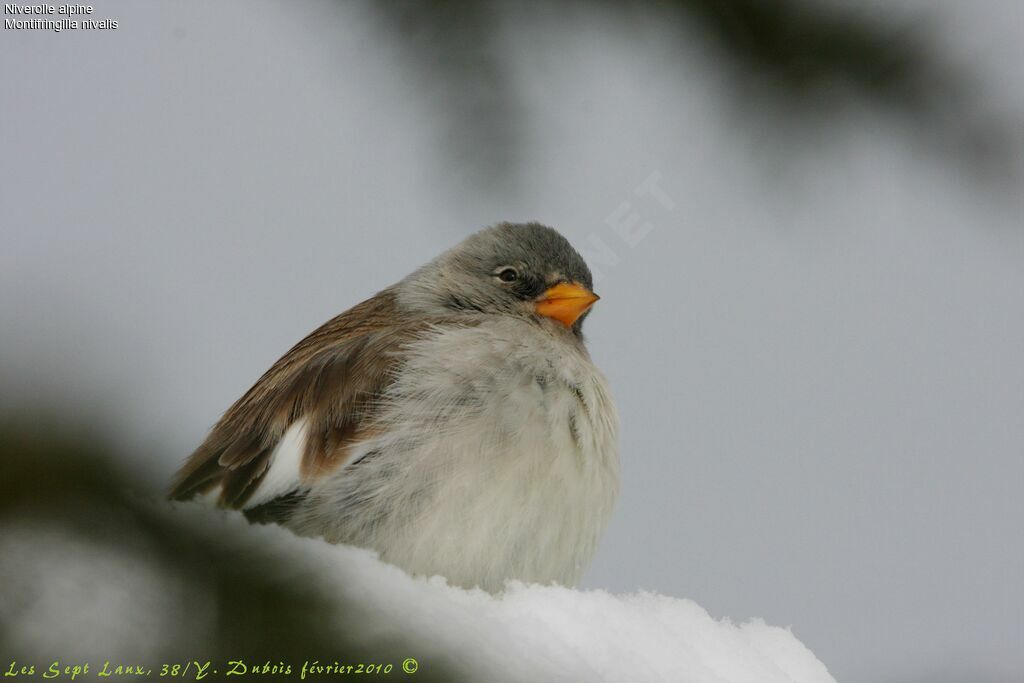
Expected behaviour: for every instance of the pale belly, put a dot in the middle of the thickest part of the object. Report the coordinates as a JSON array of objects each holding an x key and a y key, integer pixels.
[{"x": 486, "y": 476}]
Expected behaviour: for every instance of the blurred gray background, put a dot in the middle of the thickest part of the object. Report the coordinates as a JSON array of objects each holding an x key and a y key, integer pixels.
[{"x": 813, "y": 323}]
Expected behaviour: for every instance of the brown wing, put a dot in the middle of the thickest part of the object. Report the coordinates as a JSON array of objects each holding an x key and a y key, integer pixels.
[{"x": 333, "y": 378}]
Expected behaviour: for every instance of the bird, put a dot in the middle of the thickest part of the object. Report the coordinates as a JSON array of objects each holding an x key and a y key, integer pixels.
[{"x": 454, "y": 423}]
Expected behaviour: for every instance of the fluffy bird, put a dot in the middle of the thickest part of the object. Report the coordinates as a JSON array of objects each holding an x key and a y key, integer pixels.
[{"x": 454, "y": 423}]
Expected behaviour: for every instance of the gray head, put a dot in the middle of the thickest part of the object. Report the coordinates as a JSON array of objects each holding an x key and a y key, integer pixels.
[{"x": 527, "y": 270}]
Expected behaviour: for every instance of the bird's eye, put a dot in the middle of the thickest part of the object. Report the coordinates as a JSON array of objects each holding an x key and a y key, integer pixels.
[{"x": 508, "y": 275}]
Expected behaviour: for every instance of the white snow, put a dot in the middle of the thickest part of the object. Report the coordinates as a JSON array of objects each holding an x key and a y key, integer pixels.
[{"x": 527, "y": 633}]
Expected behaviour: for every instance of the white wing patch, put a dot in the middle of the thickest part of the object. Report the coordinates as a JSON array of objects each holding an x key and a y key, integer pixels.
[{"x": 283, "y": 476}]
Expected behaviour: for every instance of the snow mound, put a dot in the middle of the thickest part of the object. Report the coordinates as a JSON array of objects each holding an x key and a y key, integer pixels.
[{"x": 66, "y": 598}]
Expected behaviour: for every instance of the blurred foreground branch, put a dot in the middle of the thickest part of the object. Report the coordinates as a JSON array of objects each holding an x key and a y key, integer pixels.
[
  {"x": 60, "y": 487},
  {"x": 795, "y": 56}
]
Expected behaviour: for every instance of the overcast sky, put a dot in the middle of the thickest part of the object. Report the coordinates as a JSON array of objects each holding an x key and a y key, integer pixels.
[{"x": 816, "y": 346}]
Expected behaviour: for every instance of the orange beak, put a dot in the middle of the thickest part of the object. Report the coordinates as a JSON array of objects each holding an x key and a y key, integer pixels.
[{"x": 565, "y": 302}]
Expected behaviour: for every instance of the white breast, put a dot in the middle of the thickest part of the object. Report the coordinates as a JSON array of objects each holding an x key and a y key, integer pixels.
[{"x": 497, "y": 460}]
